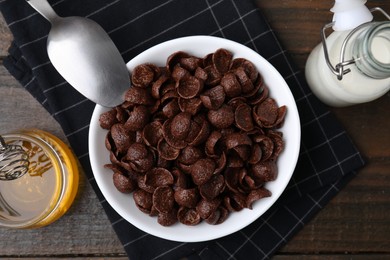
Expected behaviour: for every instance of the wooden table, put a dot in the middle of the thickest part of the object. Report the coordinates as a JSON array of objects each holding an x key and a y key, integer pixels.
[{"x": 355, "y": 224}]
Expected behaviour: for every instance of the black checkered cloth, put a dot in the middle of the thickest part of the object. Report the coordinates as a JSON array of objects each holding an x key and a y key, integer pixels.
[{"x": 328, "y": 159}]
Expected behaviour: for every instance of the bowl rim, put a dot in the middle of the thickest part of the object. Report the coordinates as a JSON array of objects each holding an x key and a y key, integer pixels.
[{"x": 201, "y": 232}]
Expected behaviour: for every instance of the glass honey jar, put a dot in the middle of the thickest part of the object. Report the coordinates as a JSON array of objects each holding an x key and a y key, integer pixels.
[{"x": 48, "y": 188}]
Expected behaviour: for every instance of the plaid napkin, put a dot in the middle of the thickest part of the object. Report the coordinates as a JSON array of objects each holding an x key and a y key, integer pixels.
[{"x": 328, "y": 159}]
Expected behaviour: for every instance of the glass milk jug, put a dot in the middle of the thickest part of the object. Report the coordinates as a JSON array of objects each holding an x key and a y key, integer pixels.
[{"x": 352, "y": 64}]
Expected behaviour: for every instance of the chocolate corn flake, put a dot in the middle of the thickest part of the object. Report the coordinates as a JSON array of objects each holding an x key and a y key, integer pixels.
[
  {"x": 163, "y": 199},
  {"x": 213, "y": 98},
  {"x": 107, "y": 119},
  {"x": 231, "y": 85},
  {"x": 166, "y": 151},
  {"x": 190, "y": 154},
  {"x": 157, "y": 177},
  {"x": 187, "y": 197},
  {"x": 180, "y": 125},
  {"x": 211, "y": 143},
  {"x": 138, "y": 96},
  {"x": 213, "y": 187},
  {"x": 192, "y": 105},
  {"x": 206, "y": 207},
  {"x": 189, "y": 87},
  {"x": 248, "y": 67},
  {"x": 255, "y": 195},
  {"x": 179, "y": 74},
  {"x": 245, "y": 83},
  {"x": 152, "y": 133},
  {"x": 202, "y": 170},
  {"x": 243, "y": 117},
  {"x": 123, "y": 183},
  {"x": 167, "y": 218},
  {"x": 138, "y": 118},
  {"x": 223, "y": 117},
  {"x": 143, "y": 200},
  {"x": 171, "y": 108},
  {"x": 121, "y": 139},
  {"x": 221, "y": 60},
  {"x": 174, "y": 59},
  {"x": 143, "y": 75},
  {"x": 188, "y": 216},
  {"x": 191, "y": 63},
  {"x": 263, "y": 172},
  {"x": 195, "y": 139}
]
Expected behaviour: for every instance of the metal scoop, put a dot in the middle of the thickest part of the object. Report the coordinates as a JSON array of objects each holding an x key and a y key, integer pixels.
[{"x": 85, "y": 56}]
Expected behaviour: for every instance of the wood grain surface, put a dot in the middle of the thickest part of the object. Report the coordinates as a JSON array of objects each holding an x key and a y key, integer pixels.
[{"x": 354, "y": 225}]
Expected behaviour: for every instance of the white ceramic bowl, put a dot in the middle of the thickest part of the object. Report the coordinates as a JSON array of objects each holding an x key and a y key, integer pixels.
[{"x": 124, "y": 204}]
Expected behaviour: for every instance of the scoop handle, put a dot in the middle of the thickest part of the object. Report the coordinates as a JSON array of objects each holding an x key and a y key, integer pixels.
[{"x": 43, "y": 7}]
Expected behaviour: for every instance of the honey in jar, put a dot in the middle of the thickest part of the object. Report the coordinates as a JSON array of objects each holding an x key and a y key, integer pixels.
[{"x": 47, "y": 190}]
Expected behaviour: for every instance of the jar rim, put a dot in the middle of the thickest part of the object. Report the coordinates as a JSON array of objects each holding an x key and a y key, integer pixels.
[
  {"x": 371, "y": 35},
  {"x": 363, "y": 51}
]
